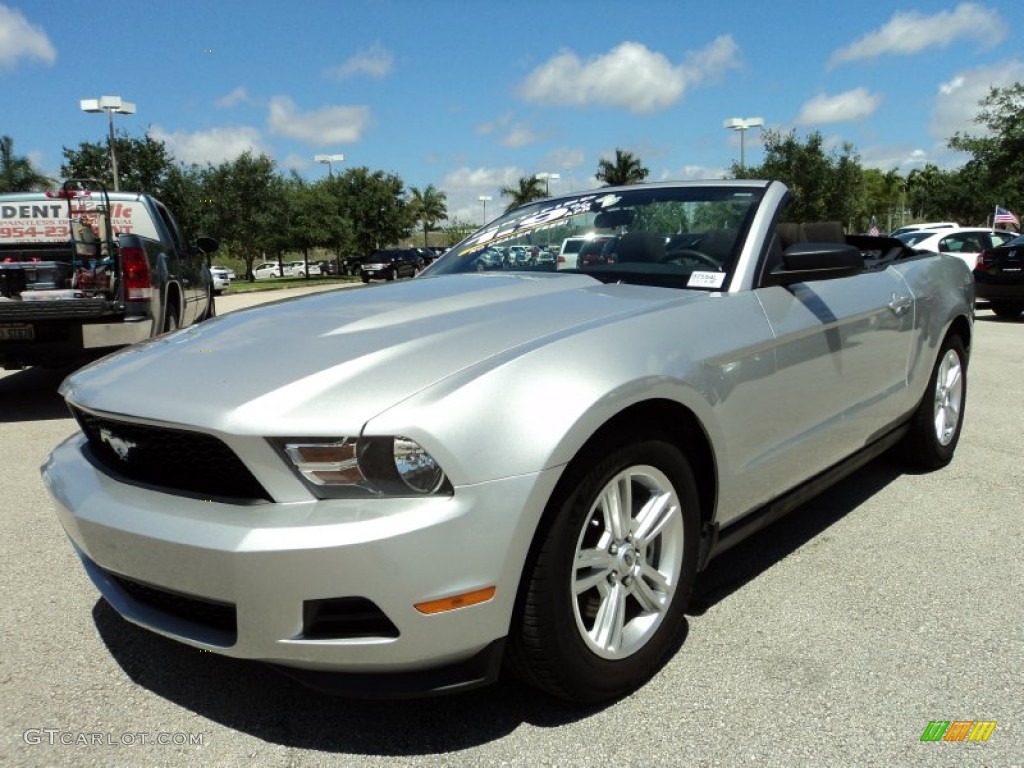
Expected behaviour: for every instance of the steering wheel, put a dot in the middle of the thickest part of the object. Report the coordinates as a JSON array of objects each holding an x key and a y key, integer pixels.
[{"x": 686, "y": 253}]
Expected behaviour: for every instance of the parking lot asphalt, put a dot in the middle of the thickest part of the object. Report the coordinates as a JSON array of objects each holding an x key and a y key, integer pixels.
[{"x": 832, "y": 638}]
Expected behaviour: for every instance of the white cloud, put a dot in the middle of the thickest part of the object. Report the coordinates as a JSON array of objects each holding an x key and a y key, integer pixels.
[
  {"x": 693, "y": 172},
  {"x": 214, "y": 146},
  {"x": 565, "y": 158},
  {"x": 630, "y": 76},
  {"x": 845, "y": 107},
  {"x": 297, "y": 162},
  {"x": 482, "y": 180},
  {"x": 237, "y": 96},
  {"x": 956, "y": 103},
  {"x": 320, "y": 128},
  {"x": 20, "y": 39},
  {"x": 512, "y": 133},
  {"x": 902, "y": 157},
  {"x": 375, "y": 61},
  {"x": 911, "y": 32}
]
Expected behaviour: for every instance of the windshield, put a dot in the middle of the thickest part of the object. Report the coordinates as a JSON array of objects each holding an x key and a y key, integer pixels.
[
  {"x": 679, "y": 236},
  {"x": 913, "y": 238}
]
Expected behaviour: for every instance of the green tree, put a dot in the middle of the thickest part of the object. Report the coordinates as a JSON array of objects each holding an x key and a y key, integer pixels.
[
  {"x": 625, "y": 169},
  {"x": 312, "y": 219},
  {"x": 143, "y": 165},
  {"x": 882, "y": 198},
  {"x": 245, "y": 206},
  {"x": 457, "y": 230},
  {"x": 185, "y": 196},
  {"x": 429, "y": 206},
  {"x": 527, "y": 189},
  {"x": 998, "y": 155},
  {"x": 825, "y": 186},
  {"x": 17, "y": 173},
  {"x": 375, "y": 204}
]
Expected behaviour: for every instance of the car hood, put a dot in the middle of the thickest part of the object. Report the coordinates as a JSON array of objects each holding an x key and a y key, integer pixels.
[{"x": 344, "y": 356}]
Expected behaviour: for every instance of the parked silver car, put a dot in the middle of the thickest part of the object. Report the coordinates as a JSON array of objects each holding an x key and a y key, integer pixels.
[{"x": 406, "y": 488}]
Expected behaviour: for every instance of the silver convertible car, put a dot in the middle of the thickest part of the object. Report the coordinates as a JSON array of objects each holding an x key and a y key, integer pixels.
[{"x": 500, "y": 465}]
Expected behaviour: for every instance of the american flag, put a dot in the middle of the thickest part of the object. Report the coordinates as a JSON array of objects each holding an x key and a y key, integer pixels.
[
  {"x": 874, "y": 228},
  {"x": 1004, "y": 216}
]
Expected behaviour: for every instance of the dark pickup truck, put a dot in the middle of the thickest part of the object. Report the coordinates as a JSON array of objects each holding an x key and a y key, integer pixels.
[{"x": 84, "y": 271}]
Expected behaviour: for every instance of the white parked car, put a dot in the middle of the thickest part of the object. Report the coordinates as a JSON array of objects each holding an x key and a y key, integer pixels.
[
  {"x": 298, "y": 268},
  {"x": 221, "y": 279},
  {"x": 966, "y": 243},
  {"x": 924, "y": 226},
  {"x": 268, "y": 270},
  {"x": 569, "y": 253}
]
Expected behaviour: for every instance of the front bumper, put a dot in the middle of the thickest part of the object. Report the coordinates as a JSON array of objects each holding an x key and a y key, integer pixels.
[{"x": 264, "y": 564}]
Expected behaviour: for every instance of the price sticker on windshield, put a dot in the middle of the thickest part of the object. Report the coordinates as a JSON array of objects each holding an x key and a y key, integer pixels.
[{"x": 701, "y": 279}]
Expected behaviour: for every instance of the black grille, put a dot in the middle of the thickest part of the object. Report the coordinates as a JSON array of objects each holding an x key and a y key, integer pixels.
[
  {"x": 212, "y": 614},
  {"x": 175, "y": 460}
]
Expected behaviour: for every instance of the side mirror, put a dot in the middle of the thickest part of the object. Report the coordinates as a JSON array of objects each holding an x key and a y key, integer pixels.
[
  {"x": 207, "y": 244},
  {"x": 804, "y": 262}
]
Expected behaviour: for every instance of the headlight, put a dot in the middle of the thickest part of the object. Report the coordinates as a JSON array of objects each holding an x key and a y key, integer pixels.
[{"x": 379, "y": 466}]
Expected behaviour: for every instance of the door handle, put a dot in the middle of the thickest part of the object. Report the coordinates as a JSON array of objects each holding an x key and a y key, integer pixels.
[{"x": 900, "y": 304}]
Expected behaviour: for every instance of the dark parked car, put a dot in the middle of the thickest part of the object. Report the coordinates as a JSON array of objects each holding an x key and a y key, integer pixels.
[
  {"x": 391, "y": 263},
  {"x": 999, "y": 278},
  {"x": 352, "y": 265}
]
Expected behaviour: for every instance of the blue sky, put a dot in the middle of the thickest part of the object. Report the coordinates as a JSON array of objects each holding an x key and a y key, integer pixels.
[{"x": 469, "y": 96}]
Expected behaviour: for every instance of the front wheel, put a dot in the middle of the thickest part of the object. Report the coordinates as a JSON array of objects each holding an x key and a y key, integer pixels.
[
  {"x": 611, "y": 577},
  {"x": 935, "y": 425}
]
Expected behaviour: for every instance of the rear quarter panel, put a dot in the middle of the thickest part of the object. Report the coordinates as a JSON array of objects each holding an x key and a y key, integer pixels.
[{"x": 943, "y": 289}]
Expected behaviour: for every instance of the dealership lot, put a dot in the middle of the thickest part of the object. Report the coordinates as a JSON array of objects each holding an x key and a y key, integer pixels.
[{"x": 891, "y": 601}]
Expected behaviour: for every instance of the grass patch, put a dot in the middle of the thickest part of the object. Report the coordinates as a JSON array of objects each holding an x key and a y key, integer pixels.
[{"x": 244, "y": 286}]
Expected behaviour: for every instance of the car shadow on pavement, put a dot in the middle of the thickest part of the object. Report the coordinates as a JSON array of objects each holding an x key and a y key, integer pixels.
[
  {"x": 31, "y": 395},
  {"x": 252, "y": 698},
  {"x": 731, "y": 570}
]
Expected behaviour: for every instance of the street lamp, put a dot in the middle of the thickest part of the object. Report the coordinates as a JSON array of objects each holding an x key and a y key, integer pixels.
[
  {"x": 740, "y": 124},
  {"x": 330, "y": 160},
  {"x": 110, "y": 105},
  {"x": 548, "y": 178},
  {"x": 485, "y": 199}
]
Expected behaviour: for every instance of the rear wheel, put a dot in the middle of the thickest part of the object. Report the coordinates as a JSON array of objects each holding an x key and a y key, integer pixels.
[
  {"x": 935, "y": 426},
  {"x": 611, "y": 577},
  {"x": 1007, "y": 310}
]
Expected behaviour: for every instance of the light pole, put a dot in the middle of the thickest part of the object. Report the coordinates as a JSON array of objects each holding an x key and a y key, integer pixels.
[
  {"x": 330, "y": 160},
  {"x": 548, "y": 178},
  {"x": 485, "y": 199},
  {"x": 742, "y": 124},
  {"x": 110, "y": 105}
]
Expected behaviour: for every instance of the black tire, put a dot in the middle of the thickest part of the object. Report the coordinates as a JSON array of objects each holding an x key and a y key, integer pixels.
[
  {"x": 556, "y": 642},
  {"x": 171, "y": 320},
  {"x": 1006, "y": 310},
  {"x": 366, "y": 279},
  {"x": 389, "y": 275},
  {"x": 930, "y": 444}
]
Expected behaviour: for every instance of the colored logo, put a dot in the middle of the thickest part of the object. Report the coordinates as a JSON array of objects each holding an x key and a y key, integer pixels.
[{"x": 958, "y": 730}]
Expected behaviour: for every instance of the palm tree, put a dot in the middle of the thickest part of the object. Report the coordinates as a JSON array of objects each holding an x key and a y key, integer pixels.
[
  {"x": 429, "y": 206},
  {"x": 528, "y": 189},
  {"x": 626, "y": 169},
  {"x": 17, "y": 173}
]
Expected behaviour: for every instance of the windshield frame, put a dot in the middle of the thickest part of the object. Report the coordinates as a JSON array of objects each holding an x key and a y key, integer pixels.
[{"x": 550, "y": 222}]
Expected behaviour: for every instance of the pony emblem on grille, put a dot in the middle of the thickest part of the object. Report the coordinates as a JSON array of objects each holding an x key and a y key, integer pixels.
[{"x": 120, "y": 446}]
